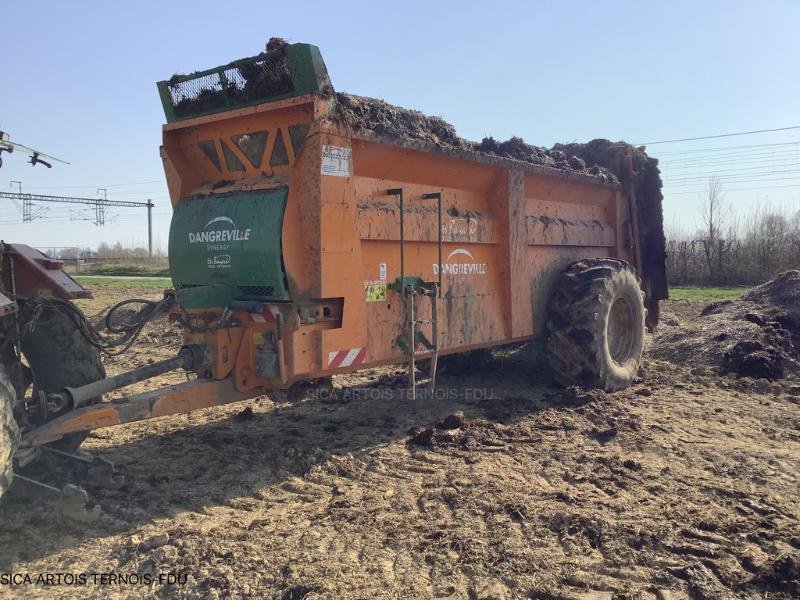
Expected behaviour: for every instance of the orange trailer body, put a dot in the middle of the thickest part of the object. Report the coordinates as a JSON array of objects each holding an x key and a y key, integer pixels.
[{"x": 508, "y": 229}]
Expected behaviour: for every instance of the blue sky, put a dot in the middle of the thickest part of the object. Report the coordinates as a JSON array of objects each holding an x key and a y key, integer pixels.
[{"x": 78, "y": 82}]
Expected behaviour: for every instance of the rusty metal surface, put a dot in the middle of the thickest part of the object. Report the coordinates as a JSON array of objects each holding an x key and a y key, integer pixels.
[
  {"x": 174, "y": 399},
  {"x": 85, "y": 393},
  {"x": 36, "y": 274}
]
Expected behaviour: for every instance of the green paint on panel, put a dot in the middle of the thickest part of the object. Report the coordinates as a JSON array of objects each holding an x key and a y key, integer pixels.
[{"x": 228, "y": 247}]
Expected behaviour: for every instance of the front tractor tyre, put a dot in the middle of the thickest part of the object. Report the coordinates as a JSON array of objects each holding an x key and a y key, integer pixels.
[
  {"x": 596, "y": 326},
  {"x": 59, "y": 356},
  {"x": 9, "y": 433}
]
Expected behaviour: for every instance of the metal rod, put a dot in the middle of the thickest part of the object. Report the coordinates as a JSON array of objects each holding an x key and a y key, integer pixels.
[
  {"x": 438, "y": 197},
  {"x": 412, "y": 343},
  {"x": 149, "y": 227},
  {"x": 83, "y": 394},
  {"x": 402, "y": 240},
  {"x": 31, "y": 488},
  {"x": 439, "y": 202},
  {"x": 169, "y": 400},
  {"x": 18, "y": 337},
  {"x": 399, "y": 192},
  {"x": 435, "y": 336},
  {"x": 281, "y": 350}
]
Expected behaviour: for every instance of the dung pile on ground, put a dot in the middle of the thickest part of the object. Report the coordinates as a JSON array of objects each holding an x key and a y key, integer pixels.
[
  {"x": 778, "y": 301},
  {"x": 454, "y": 432},
  {"x": 756, "y": 335},
  {"x": 780, "y": 575},
  {"x": 752, "y": 358}
]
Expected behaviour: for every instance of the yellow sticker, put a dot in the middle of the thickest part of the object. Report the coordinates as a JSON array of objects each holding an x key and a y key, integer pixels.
[{"x": 375, "y": 292}]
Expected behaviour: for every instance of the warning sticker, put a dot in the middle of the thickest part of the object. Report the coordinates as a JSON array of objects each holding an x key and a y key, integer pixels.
[
  {"x": 336, "y": 161},
  {"x": 374, "y": 292}
]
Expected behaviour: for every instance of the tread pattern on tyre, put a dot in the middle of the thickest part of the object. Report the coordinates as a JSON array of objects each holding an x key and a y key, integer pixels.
[
  {"x": 577, "y": 347},
  {"x": 9, "y": 433},
  {"x": 61, "y": 357}
]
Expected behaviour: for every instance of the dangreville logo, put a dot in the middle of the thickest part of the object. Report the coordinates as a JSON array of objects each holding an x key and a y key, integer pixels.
[
  {"x": 218, "y": 234},
  {"x": 460, "y": 268}
]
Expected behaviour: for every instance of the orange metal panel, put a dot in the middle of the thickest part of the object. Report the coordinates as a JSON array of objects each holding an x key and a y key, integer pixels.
[
  {"x": 508, "y": 229},
  {"x": 174, "y": 399}
]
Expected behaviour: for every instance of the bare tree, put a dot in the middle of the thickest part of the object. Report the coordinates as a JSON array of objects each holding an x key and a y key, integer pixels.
[
  {"x": 734, "y": 249},
  {"x": 794, "y": 237},
  {"x": 772, "y": 241},
  {"x": 716, "y": 215}
]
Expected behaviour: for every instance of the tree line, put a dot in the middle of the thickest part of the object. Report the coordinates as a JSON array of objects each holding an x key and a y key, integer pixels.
[
  {"x": 731, "y": 249},
  {"x": 115, "y": 251}
]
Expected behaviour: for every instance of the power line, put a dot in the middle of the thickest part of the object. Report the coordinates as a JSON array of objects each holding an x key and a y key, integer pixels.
[
  {"x": 147, "y": 193},
  {"x": 72, "y": 200},
  {"x": 743, "y": 171},
  {"x": 712, "y": 159},
  {"x": 734, "y": 180},
  {"x": 77, "y": 187},
  {"x": 731, "y": 172},
  {"x": 678, "y": 171},
  {"x": 772, "y": 187},
  {"x": 721, "y": 135},
  {"x": 99, "y": 205},
  {"x": 702, "y": 187},
  {"x": 724, "y": 148}
]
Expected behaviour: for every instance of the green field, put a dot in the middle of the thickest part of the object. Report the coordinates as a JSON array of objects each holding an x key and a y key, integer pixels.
[
  {"x": 127, "y": 270},
  {"x": 705, "y": 294},
  {"x": 149, "y": 282},
  {"x": 701, "y": 294}
]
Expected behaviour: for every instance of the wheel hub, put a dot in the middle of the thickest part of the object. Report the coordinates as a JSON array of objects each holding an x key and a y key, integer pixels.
[{"x": 620, "y": 330}]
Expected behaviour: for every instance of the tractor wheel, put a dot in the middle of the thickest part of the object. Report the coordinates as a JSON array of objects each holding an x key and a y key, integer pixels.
[
  {"x": 596, "y": 326},
  {"x": 9, "y": 433},
  {"x": 59, "y": 356}
]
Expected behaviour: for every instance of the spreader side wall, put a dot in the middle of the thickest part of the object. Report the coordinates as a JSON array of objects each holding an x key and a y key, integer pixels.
[
  {"x": 506, "y": 235},
  {"x": 507, "y": 232},
  {"x": 567, "y": 221}
]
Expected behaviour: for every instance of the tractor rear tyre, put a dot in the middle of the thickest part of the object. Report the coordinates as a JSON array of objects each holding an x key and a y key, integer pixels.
[
  {"x": 60, "y": 356},
  {"x": 596, "y": 326},
  {"x": 9, "y": 433}
]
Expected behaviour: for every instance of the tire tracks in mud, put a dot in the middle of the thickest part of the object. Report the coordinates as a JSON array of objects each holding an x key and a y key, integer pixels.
[{"x": 684, "y": 482}]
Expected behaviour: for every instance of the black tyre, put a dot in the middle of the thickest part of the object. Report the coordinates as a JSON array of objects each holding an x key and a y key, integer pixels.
[
  {"x": 596, "y": 326},
  {"x": 9, "y": 433},
  {"x": 59, "y": 356}
]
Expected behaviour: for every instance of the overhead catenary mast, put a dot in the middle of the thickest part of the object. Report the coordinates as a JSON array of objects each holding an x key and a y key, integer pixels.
[{"x": 99, "y": 205}]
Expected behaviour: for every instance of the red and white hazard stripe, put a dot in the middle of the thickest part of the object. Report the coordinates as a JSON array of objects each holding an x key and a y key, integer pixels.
[
  {"x": 346, "y": 358},
  {"x": 265, "y": 317}
]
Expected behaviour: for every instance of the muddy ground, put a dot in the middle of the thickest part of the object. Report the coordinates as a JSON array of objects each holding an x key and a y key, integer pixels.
[{"x": 688, "y": 483}]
